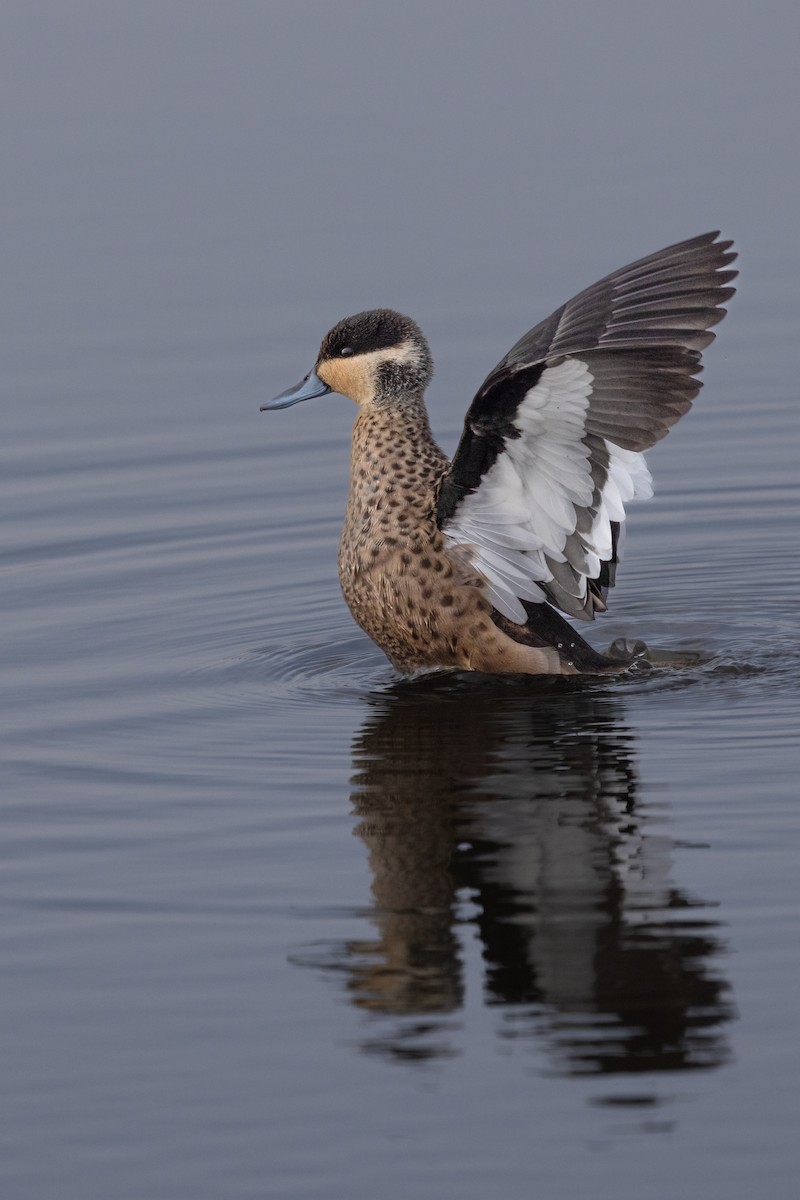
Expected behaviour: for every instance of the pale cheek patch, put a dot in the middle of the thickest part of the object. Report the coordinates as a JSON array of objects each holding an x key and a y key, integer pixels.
[
  {"x": 349, "y": 377},
  {"x": 406, "y": 352},
  {"x": 357, "y": 377}
]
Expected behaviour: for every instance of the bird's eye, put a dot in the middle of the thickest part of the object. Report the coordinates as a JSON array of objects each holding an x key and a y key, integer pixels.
[{"x": 346, "y": 351}]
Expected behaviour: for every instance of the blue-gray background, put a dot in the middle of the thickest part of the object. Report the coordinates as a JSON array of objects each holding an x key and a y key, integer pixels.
[{"x": 559, "y": 953}]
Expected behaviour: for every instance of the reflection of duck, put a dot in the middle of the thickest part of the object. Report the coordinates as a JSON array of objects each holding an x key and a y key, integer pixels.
[
  {"x": 465, "y": 563},
  {"x": 523, "y": 802}
]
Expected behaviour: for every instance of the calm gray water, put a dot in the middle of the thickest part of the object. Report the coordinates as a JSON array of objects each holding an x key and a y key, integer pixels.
[{"x": 276, "y": 922}]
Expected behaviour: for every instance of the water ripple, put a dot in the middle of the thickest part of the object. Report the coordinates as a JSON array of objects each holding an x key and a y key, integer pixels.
[{"x": 330, "y": 670}]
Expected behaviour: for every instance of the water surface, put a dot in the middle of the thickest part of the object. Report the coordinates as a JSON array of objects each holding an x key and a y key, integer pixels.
[{"x": 277, "y": 922}]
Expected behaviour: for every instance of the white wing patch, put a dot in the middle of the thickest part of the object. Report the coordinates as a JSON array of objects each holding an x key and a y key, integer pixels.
[{"x": 527, "y": 504}]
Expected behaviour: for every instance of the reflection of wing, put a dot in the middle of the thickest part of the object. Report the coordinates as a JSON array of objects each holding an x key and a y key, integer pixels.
[
  {"x": 551, "y": 448},
  {"x": 485, "y": 811}
]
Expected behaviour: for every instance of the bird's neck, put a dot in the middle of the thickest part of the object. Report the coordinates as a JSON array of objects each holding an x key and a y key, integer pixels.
[
  {"x": 395, "y": 465},
  {"x": 383, "y": 433}
]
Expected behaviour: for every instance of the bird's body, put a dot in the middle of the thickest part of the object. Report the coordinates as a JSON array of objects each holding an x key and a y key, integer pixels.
[
  {"x": 417, "y": 597},
  {"x": 464, "y": 564}
]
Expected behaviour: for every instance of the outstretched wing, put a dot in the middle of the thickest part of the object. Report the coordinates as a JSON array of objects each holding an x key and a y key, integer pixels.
[{"x": 552, "y": 444}]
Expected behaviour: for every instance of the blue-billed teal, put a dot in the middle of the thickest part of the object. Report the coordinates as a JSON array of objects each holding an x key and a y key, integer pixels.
[{"x": 464, "y": 563}]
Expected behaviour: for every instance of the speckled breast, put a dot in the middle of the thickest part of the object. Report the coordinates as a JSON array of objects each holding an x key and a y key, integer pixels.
[{"x": 400, "y": 583}]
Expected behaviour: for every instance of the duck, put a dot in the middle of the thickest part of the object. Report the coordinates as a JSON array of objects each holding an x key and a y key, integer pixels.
[{"x": 480, "y": 562}]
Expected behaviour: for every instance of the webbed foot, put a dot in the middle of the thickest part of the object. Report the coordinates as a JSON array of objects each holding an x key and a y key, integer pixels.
[{"x": 637, "y": 653}]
